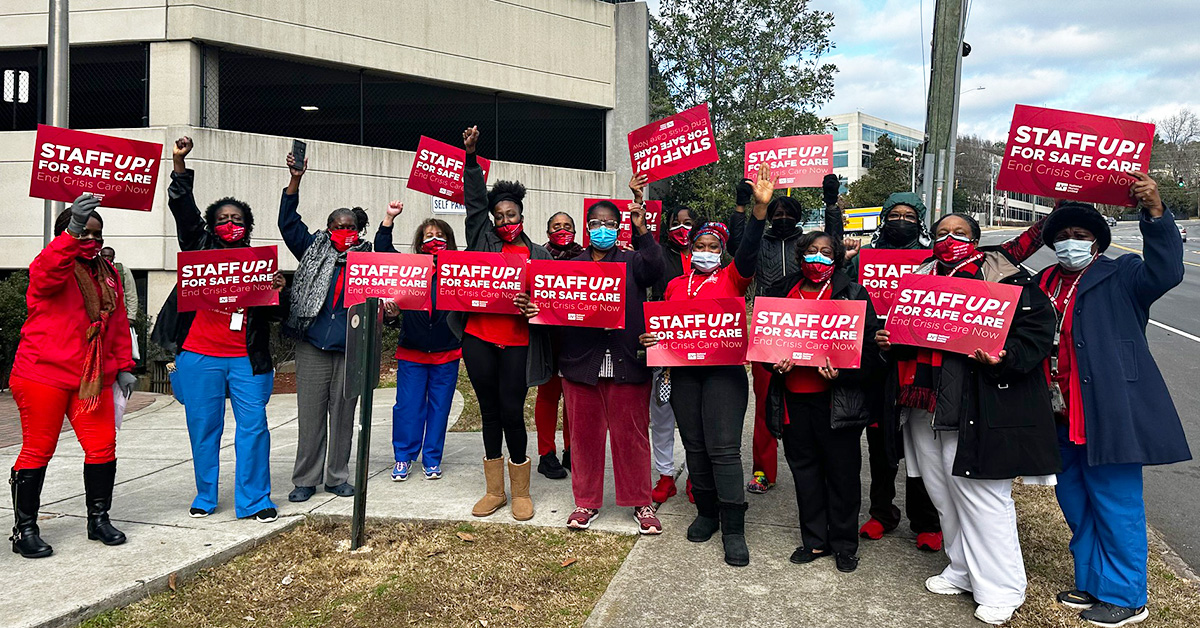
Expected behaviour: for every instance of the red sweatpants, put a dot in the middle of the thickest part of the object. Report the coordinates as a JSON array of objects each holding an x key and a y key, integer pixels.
[
  {"x": 766, "y": 448},
  {"x": 545, "y": 416},
  {"x": 42, "y": 410},
  {"x": 622, "y": 413}
]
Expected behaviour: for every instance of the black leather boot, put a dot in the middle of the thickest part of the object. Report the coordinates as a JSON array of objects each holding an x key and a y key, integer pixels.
[
  {"x": 706, "y": 523},
  {"x": 98, "y": 486},
  {"x": 27, "y": 498},
  {"x": 733, "y": 534}
]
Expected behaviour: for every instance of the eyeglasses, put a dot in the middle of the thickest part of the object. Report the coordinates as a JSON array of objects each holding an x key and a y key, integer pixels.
[{"x": 597, "y": 223}]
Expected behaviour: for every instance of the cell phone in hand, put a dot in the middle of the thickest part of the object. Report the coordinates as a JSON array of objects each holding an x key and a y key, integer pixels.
[{"x": 298, "y": 149}]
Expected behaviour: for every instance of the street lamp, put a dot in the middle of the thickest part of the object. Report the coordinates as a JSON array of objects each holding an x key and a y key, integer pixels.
[{"x": 973, "y": 89}]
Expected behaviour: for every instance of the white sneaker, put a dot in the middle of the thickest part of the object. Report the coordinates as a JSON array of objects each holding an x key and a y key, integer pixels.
[
  {"x": 940, "y": 585},
  {"x": 995, "y": 615}
]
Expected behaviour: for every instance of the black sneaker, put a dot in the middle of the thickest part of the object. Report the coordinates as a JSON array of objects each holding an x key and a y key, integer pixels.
[
  {"x": 1113, "y": 616},
  {"x": 566, "y": 463},
  {"x": 198, "y": 513},
  {"x": 846, "y": 563},
  {"x": 1081, "y": 600},
  {"x": 804, "y": 555},
  {"x": 266, "y": 515},
  {"x": 551, "y": 468}
]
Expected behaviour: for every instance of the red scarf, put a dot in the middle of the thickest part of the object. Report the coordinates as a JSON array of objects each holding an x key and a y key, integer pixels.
[
  {"x": 919, "y": 376},
  {"x": 1068, "y": 367}
]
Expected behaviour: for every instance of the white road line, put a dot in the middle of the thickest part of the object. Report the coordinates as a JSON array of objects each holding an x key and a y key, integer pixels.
[{"x": 1175, "y": 331}]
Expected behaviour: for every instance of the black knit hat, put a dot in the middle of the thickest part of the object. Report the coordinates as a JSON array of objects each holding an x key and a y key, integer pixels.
[{"x": 1074, "y": 214}]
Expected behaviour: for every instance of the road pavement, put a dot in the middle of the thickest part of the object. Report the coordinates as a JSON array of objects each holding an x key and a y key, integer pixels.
[{"x": 1173, "y": 491}]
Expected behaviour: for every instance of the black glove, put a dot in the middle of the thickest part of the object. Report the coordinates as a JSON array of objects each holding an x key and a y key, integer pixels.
[
  {"x": 744, "y": 192},
  {"x": 81, "y": 210},
  {"x": 829, "y": 189},
  {"x": 126, "y": 381}
]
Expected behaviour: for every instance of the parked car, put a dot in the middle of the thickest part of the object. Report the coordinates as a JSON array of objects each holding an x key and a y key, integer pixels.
[
  {"x": 1183, "y": 233},
  {"x": 1112, "y": 222}
]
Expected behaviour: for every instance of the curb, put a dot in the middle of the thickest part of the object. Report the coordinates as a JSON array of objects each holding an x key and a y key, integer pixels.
[
  {"x": 156, "y": 584},
  {"x": 1173, "y": 560}
]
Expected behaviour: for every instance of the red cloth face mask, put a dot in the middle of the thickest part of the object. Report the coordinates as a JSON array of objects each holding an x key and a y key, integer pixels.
[
  {"x": 343, "y": 238},
  {"x": 679, "y": 234},
  {"x": 510, "y": 233},
  {"x": 433, "y": 245},
  {"x": 562, "y": 237},
  {"x": 230, "y": 232},
  {"x": 89, "y": 249},
  {"x": 816, "y": 272},
  {"x": 952, "y": 248}
]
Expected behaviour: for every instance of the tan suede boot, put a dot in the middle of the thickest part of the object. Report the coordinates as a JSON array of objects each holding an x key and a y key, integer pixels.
[
  {"x": 493, "y": 471},
  {"x": 518, "y": 477}
]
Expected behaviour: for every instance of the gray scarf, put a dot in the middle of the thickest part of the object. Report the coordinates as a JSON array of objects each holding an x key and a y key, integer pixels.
[{"x": 311, "y": 281}]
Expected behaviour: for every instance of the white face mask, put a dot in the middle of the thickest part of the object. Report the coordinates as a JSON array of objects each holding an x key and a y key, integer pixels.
[
  {"x": 706, "y": 261},
  {"x": 1074, "y": 254}
]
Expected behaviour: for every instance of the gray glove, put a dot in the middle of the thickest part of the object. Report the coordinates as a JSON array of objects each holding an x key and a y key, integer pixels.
[
  {"x": 126, "y": 381},
  {"x": 81, "y": 210}
]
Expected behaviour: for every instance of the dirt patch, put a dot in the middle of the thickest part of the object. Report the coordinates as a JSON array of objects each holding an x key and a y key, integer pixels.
[
  {"x": 1174, "y": 602},
  {"x": 415, "y": 574}
]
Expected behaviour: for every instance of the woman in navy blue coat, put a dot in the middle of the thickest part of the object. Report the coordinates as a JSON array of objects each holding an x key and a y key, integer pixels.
[{"x": 1113, "y": 408}]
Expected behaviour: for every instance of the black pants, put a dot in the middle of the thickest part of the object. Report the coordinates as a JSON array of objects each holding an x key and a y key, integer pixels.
[
  {"x": 922, "y": 516},
  {"x": 825, "y": 466},
  {"x": 498, "y": 377},
  {"x": 710, "y": 406}
]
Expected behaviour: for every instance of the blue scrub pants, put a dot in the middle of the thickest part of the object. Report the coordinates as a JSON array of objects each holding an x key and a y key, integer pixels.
[
  {"x": 1104, "y": 507},
  {"x": 424, "y": 393},
  {"x": 207, "y": 380}
]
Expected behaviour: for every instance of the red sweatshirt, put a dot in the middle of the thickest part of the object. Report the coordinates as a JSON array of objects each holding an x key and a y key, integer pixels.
[{"x": 52, "y": 340}]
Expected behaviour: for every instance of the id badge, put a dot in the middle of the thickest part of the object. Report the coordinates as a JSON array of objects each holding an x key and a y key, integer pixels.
[
  {"x": 1057, "y": 403},
  {"x": 235, "y": 320}
]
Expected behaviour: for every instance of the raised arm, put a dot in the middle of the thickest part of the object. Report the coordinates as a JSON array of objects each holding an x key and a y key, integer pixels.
[
  {"x": 743, "y": 195},
  {"x": 474, "y": 194},
  {"x": 383, "y": 237},
  {"x": 745, "y": 261},
  {"x": 54, "y": 267},
  {"x": 1027, "y": 243},
  {"x": 834, "y": 224},
  {"x": 1161, "y": 266},
  {"x": 189, "y": 224},
  {"x": 291, "y": 226},
  {"x": 648, "y": 264}
]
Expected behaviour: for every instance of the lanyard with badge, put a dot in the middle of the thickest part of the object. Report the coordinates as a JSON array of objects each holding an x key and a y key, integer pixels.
[
  {"x": 236, "y": 318},
  {"x": 1057, "y": 402}
]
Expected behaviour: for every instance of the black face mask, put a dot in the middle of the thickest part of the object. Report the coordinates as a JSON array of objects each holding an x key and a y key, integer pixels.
[
  {"x": 783, "y": 227},
  {"x": 900, "y": 231}
]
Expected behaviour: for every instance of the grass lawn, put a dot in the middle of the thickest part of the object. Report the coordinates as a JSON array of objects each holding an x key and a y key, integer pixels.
[
  {"x": 1174, "y": 602},
  {"x": 415, "y": 574}
]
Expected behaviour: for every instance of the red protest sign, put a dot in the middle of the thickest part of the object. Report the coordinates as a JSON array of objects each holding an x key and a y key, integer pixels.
[
  {"x": 122, "y": 173},
  {"x": 401, "y": 277},
  {"x": 1062, "y": 154},
  {"x": 578, "y": 294},
  {"x": 952, "y": 313},
  {"x": 799, "y": 161},
  {"x": 673, "y": 145},
  {"x": 470, "y": 281},
  {"x": 880, "y": 270},
  {"x": 697, "y": 331},
  {"x": 222, "y": 279},
  {"x": 807, "y": 331},
  {"x": 438, "y": 167},
  {"x": 625, "y": 231}
]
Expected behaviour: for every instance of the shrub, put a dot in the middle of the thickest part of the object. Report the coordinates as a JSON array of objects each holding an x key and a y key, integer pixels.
[{"x": 12, "y": 317}]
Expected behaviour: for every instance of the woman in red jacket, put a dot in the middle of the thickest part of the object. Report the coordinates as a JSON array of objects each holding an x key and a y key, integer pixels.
[{"x": 74, "y": 345}]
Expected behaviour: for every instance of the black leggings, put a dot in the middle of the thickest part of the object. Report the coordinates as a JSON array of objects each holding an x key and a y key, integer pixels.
[
  {"x": 710, "y": 407},
  {"x": 498, "y": 377}
]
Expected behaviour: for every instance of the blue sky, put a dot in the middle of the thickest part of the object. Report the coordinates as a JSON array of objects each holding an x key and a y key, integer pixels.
[{"x": 1111, "y": 57}]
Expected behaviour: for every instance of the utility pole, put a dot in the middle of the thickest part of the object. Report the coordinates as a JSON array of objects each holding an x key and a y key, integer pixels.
[
  {"x": 941, "y": 119},
  {"x": 58, "y": 64},
  {"x": 992, "y": 197}
]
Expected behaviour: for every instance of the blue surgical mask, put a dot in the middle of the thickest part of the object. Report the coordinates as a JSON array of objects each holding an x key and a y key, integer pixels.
[
  {"x": 818, "y": 258},
  {"x": 1074, "y": 255},
  {"x": 602, "y": 238}
]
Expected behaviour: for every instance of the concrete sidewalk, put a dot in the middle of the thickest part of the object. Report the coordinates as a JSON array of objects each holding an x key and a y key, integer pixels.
[{"x": 666, "y": 580}]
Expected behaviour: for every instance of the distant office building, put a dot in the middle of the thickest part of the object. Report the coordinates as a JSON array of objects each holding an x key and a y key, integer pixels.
[{"x": 854, "y": 139}]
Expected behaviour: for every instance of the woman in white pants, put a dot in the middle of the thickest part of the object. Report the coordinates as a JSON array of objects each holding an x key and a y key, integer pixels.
[{"x": 973, "y": 423}]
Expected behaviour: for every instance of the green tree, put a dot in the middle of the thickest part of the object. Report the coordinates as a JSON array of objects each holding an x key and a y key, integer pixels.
[
  {"x": 889, "y": 173},
  {"x": 757, "y": 65}
]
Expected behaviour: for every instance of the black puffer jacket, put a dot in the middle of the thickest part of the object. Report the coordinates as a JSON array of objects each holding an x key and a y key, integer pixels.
[
  {"x": 848, "y": 400},
  {"x": 778, "y": 257}
]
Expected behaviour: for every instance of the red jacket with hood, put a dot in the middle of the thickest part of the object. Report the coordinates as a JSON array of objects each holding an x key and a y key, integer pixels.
[{"x": 52, "y": 344}]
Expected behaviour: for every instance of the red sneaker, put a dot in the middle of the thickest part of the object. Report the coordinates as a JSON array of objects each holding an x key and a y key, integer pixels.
[
  {"x": 581, "y": 518},
  {"x": 647, "y": 519},
  {"x": 688, "y": 490},
  {"x": 929, "y": 541},
  {"x": 872, "y": 529},
  {"x": 663, "y": 490}
]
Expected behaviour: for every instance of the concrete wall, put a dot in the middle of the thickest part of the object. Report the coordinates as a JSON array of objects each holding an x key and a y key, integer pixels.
[
  {"x": 631, "y": 107},
  {"x": 251, "y": 167},
  {"x": 559, "y": 50}
]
